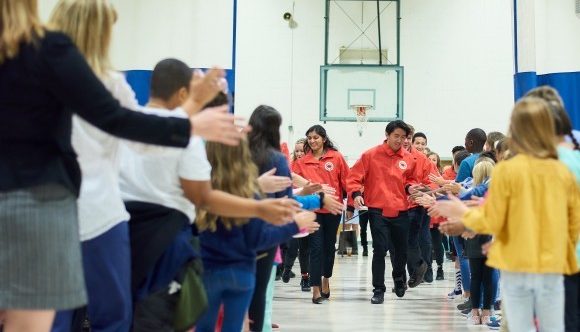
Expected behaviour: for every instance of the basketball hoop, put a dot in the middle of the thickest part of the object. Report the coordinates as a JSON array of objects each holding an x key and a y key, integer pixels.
[{"x": 361, "y": 113}]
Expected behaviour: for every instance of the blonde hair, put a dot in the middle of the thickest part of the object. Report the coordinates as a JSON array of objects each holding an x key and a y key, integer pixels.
[
  {"x": 19, "y": 23},
  {"x": 89, "y": 23},
  {"x": 234, "y": 172},
  {"x": 482, "y": 170},
  {"x": 302, "y": 141},
  {"x": 532, "y": 129}
]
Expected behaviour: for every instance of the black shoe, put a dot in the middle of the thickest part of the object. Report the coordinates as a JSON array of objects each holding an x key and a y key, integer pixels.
[
  {"x": 286, "y": 276},
  {"x": 318, "y": 300},
  {"x": 378, "y": 297},
  {"x": 278, "y": 277},
  {"x": 429, "y": 275},
  {"x": 440, "y": 274},
  {"x": 365, "y": 251},
  {"x": 400, "y": 287},
  {"x": 292, "y": 275},
  {"x": 464, "y": 305},
  {"x": 305, "y": 284},
  {"x": 417, "y": 277},
  {"x": 325, "y": 295},
  {"x": 466, "y": 312}
]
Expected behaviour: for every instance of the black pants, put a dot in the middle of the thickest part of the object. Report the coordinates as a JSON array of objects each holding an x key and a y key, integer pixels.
[
  {"x": 298, "y": 248},
  {"x": 258, "y": 305},
  {"x": 363, "y": 222},
  {"x": 419, "y": 246},
  {"x": 572, "y": 305},
  {"x": 437, "y": 246},
  {"x": 446, "y": 243},
  {"x": 385, "y": 231},
  {"x": 322, "y": 248},
  {"x": 481, "y": 277}
]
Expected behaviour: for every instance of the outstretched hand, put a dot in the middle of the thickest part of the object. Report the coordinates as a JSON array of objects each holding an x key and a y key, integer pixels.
[
  {"x": 452, "y": 228},
  {"x": 454, "y": 208},
  {"x": 270, "y": 183},
  {"x": 278, "y": 211},
  {"x": 216, "y": 124}
]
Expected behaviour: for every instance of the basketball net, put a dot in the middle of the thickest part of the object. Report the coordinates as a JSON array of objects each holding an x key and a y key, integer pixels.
[{"x": 361, "y": 113}]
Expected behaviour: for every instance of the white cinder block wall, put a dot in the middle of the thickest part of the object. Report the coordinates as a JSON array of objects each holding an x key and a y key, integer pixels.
[{"x": 457, "y": 54}]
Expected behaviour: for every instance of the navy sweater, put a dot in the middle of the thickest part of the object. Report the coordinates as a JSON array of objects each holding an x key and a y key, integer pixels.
[{"x": 238, "y": 247}]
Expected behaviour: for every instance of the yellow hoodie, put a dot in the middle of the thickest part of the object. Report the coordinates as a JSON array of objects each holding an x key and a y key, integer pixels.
[{"x": 533, "y": 210}]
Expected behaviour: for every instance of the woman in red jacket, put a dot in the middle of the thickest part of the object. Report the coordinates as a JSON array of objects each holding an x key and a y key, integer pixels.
[{"x": 322, "y": 163}]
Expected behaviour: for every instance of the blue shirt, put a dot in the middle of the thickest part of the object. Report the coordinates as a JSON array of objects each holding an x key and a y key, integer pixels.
[
  {"x": 238, "y": 247},
  {"x": 466, "y": 168}
]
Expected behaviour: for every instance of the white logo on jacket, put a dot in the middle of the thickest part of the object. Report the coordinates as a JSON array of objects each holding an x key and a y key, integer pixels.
[
  {"x": 402, "y": 165},
  {"x": 328, "y": 166}
]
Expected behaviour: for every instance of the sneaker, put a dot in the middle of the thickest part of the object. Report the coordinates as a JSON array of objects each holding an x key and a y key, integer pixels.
[
  {"x": 378, "y": 297},
  {"x": 494, "y": 324},
  {"x": 464, "y": 305},
  {"x": 429, "y": 275},
  {"x": 286, "y": 276},
  {"x": 454, "y": 293},
  {"x": 440, "y": 274},
  {"x": 417, "y": 278},
  {"x": 466, "y": 312},
  {"x": 365, "y": 251},
  {"x": 400, "y": 287},
  {"x": 305, "y": 284}
]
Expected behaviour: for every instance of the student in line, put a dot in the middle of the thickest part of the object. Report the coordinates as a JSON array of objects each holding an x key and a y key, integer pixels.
[
  {"x": 322, "y": 163},
  {"x": 45, "y": 80},
  {"x": 462, "y": 272},
  {"x": 298, "y": 247},
  {"x": 533, "y": 203},
  {"x": 492, "y": 138},
  {"x": 474, "y": 143},
  {"x": 230, "y": 245},
  {"x": 436, "y": 236},
  {"x": 161, "y": 189},
  {"x": 569, "y": 154}
]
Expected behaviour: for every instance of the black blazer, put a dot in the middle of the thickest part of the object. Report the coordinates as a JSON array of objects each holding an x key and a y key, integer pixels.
[{"x": 40, "y": 90}]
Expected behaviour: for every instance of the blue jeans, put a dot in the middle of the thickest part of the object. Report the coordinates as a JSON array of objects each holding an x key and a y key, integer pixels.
[
  {"x": 463, "y": 264},
  {"x": 231, "y": 287},
  {"x": 526, "y": 294},
  {"x": 107, "y": 269}
]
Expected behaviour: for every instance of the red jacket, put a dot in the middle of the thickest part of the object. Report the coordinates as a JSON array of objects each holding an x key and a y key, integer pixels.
[
  {"x": 449, "y": 173},
  {"x": 422, "y": 171},
  {"x": 331, "y": 169},
  {"x": 384, "y": 174}
]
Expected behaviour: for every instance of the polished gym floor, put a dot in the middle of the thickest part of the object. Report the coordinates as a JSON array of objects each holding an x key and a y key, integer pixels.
[{"x": 425, "y": 308}]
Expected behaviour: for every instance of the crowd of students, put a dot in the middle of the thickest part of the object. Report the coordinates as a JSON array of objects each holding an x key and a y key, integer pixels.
[{"x": 179, "y": 184}]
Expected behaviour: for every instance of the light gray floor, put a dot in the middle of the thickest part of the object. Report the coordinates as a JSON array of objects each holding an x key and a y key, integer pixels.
[{"x": 425, "y": 308}]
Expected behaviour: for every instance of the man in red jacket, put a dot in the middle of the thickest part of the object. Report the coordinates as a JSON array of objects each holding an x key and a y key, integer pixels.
[{"x": 387, "y": 173}]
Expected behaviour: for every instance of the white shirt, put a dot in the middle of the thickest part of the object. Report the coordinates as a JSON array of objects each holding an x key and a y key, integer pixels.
[
  {"x": 154, "y": 176},
  {"x": 100, "y": 206}
]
